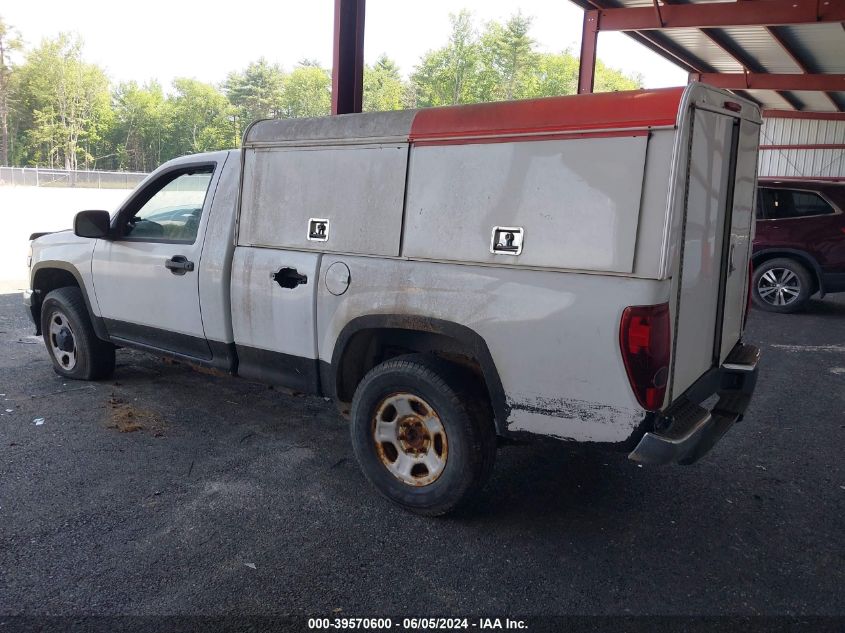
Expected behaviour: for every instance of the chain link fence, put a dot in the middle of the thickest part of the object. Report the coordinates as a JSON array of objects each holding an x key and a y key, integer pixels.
[{"x": 38, "y": 177}]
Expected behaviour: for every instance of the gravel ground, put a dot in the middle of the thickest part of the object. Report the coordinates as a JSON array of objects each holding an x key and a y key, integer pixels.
[{"x": 167, "y": 491}]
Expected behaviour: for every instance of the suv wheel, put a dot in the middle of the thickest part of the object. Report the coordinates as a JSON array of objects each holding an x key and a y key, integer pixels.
[
  {"x": 74, "y": 348},
  {"x": 421, "y": 435},
  {"x": 781, "y": 285}
]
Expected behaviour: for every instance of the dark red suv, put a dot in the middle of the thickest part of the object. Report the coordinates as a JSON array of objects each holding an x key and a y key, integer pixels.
[{"x": 799, "y": 248}]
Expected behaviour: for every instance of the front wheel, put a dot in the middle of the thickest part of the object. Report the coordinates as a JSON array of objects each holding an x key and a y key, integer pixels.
[
  {"x": 420, "y": 435},
  {"x": 74, "y": 347},
  {"x": 781, "y": 285}
]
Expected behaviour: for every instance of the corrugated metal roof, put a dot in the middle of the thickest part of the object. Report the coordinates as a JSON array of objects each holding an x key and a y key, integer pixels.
[
  {"x": 814, "y": 101},
  {"x": 794, "y": 49},
  {"x": 757, "y": 42},
  {"x": 769, "y": 99},
  {"x": 822, "y": 45},
  {"x": 704, "y": 48}
]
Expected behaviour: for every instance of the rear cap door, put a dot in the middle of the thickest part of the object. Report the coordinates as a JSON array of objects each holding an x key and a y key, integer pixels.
[
  {"x": 716, "y": 238},
  {"x": 740, "y": 238}
]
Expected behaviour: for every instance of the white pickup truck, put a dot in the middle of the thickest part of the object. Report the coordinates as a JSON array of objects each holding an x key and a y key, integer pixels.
[{"x": 574, "y": 267}]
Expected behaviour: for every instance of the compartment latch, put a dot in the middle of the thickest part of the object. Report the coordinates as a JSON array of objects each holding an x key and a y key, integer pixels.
[
  {"x": 318, "y": 230},
  {"x": 506, "y": 240}
]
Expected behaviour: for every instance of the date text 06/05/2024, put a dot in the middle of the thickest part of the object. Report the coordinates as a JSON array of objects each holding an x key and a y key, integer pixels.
[{"x": 417, "y": 623}]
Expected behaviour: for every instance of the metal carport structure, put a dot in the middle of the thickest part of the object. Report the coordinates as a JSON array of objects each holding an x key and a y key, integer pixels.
[
  {"x": 783, "y": 54},
  {"x": 788, "y": 56}
]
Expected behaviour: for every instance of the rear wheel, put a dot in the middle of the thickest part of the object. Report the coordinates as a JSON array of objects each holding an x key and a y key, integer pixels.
[
  {"x": 74, "y": 348},
  {"x": 420, "y": 434},
  {"x": 781, "y": 285}
]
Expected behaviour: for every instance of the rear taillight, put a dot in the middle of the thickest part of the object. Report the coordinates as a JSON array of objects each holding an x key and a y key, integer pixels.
[{"x": 644, "y": 336}]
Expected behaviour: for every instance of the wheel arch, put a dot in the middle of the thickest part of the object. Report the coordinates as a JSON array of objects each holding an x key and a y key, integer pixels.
[
  {"x": 802, "y": 257},
  {"x": 49, "y": 275},
  {"x": 368, "y": 340}
]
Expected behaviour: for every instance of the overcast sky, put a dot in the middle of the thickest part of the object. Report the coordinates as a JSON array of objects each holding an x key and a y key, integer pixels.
[{"x": 184, "y": 38}]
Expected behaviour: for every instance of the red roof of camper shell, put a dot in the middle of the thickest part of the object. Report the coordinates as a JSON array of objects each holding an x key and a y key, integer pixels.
[{"x": 635, "y": 109}]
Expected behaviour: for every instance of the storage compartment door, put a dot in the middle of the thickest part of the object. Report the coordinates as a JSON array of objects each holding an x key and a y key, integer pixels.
[
  {"x": 345, "y": 199},
  {"x": 572, "y": 203},
  {"x": 706, "y": 247}
]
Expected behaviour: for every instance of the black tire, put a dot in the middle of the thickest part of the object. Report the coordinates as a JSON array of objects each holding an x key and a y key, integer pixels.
[
  {"x": 466, "y": 418},
  {"x": 92, "y": 357},
  {"x": 770, "y": 275}
]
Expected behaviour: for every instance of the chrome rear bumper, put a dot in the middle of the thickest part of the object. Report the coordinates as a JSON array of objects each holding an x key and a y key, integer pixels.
[{"x": 688, "y": 429}]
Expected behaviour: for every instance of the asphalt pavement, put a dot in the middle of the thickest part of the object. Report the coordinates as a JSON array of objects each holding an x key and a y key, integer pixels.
[{"x": 169, "y": 491}]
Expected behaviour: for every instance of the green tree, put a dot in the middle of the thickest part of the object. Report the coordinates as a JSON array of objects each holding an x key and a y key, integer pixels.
[
  {"x": 143, "y": 121},
  {"x": 555, "y": 74},
  {"x": 501, "y": 63},
  {"x": 308, "y": 62},
  {"x": 508, "y": 60},
  {"x": 256, "y": 92},
  {"x": 56, "y": 109},
  {"x": 610, "y": 80},
  {"x": 383, "y": 86},
  {"x": 307, "y": 92},
  {"x": 10, "y": 43},
  {"x": 201, "y": 119},
  {"x": 449, "y": 75},
  {"x": 62, "y": 103}
]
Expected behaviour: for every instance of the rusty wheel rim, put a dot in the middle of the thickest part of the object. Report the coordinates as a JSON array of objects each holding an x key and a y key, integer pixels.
[{"x": 410, "y": 439}]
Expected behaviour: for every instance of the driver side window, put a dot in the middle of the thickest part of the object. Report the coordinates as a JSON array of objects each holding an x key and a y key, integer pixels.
[{"x": 173, "y": 212}]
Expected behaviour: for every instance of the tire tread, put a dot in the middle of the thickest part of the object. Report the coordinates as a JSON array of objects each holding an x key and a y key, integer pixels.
[
  {"x": 456, "y": 384},
  {"x": 99, "y": 361}
]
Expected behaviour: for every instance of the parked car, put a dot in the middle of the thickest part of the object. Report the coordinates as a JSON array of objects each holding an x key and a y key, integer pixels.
[
  {"x": 573, "y": 267},
  {"x": 799, "y": 247}
]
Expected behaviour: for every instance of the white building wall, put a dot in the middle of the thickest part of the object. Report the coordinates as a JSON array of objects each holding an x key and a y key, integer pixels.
[{"x": 780, "y": 161}]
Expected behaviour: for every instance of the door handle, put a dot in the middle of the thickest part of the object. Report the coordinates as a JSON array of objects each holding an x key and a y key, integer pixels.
[
  {"x": 289, "y": 278},
  {"x": 178, "y": 265}
]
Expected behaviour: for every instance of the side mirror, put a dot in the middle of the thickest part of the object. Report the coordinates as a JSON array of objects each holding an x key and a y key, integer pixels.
[{"x": 96, "y": 224}]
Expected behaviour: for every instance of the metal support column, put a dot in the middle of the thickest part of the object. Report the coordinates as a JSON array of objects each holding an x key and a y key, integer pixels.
[
  {"x": 348, "y": 62},
  {"x": 587, "y": 61}
]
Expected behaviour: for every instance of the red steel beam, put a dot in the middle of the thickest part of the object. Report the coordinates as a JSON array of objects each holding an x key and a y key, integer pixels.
[
  {"x": 772, "y": 81},
  {"x": 348, "y": 60},
  {"x": 587, "y": 61},
  {"x": 659, "y": 46},
  {"x": 817, "y": 116},
  {"x": 722, "y": 14}
]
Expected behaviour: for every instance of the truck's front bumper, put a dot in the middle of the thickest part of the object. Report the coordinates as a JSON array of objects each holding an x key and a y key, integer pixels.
[{"x": 687, "y": 429}]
